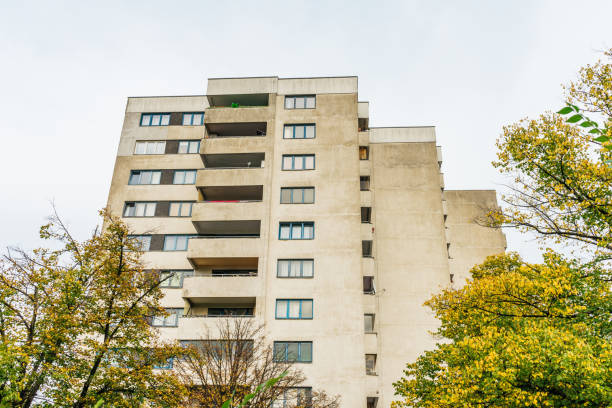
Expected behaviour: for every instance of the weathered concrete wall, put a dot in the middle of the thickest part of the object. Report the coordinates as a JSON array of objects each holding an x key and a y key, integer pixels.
[
  {"x": 409, "y": 251},
  {"x": 470, "y": 243}
]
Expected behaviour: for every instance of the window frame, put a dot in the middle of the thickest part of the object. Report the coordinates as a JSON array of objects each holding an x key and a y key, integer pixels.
[
  {"x": 288, "y": 308},
  {"x": 176, "y": 171},
  {"x": 135, "y": 203},
  {"x": 174, "y": 311},
  {"x": 192, "y": 117},
  {"x": 139, "y": 236},
  {"x": 365, "y": 179},
  {"x": 293, "y": 126},
  {"x": 303, "y": 195},
  {"x": 296, "y": 97},
  {"x": 373, "y": 370},
  {"x": 168, "y": 366},
  {"x": 187, "y": 236},
  {"x": 286, "y": 353},
  {"x": 132, "y": 173},
  {"x": 189, "y": 142},
  {"x": 367, "y": 212},
  {"x": 150, "y": 117},
  {"x": 181, "y": 203},
  {"x": 365, "y": 149},
  {"x": 290, "y": 224},
  {"x": 287, "y": 401},
  {"x": 291, "y": 260},
  {"x": 373, "y": 317},
  {"x": 147, "y": 142},
  {"x": 293, "y": 156},
  {"x": 183, "y": 274}
]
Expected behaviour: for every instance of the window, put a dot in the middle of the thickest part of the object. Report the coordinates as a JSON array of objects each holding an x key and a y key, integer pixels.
[
  {"x": 167, "y": 365},
  {"x": 176, "y": 242},
  {"x": 368, "y": 285},
  {"x": 368, "y": 323},
  {"x": 366, "y": 248},
  {"x": 296, "y": 230},
  {"x": 145, "y": 177},
  {"x": 167, "y": 321},
  {"x": 294, "y": 397},
  {"x": 299, "y": 132},
  {"x": 188, "y": 146},
  {"x": 366, "y": 215},
  {"x": 193, "y": 119},
  {"x": 297, "y": 195},
  {"x": 180, "y": 209},
  {"x": 295, "y": 268},
  {"x": 293, "y": 351},
  {"x": 370, "y": 364},
  {"x": 173, "y": 278},
  {"x": 300, "y": 102},
  {"x": 139, "y": 209},
  {"x": 150, "y": 148},
  {"x": 184, "y": 177},
  {"x": 364, "y": 183},
  {"x": 364, "y": 153},
  {"x": 298, "y": 162},
  {"x": 155, "y": 119},
  {"x": 294, "y": 308},
  {"x": 142, "y": 241}
]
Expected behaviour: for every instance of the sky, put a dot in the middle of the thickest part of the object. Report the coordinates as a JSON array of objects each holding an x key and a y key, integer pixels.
[{"x": 467, "y": 67}]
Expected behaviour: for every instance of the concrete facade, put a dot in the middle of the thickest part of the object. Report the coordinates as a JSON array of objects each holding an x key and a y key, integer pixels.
[{"x": 416, "y": 236}]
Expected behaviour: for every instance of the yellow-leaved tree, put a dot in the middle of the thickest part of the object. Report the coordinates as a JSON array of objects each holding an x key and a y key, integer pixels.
[
  {"x": 536, "y": 335},
  {"x": 74, "y": 324}
]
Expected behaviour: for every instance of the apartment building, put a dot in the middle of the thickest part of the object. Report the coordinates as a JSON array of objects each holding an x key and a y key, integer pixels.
[{"x": 275, "y": 199}]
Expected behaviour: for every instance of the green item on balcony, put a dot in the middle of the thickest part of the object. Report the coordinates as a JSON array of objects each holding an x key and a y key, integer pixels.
[{"x": 235, "y": 104}]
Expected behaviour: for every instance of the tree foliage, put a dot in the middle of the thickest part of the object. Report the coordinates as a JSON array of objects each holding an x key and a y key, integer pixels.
[
  {"x": 535, "y": 335},
  {"x": 562, "y": 178},
  {"x": 73, "y": 324}
]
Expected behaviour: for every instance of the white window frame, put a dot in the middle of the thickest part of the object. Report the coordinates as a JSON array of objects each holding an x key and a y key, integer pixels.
[
  {"x": 300, "y": 101},
  {"x": 183, "y": 176},
  {"x": 181, "y": 208},
  {"x": 298, "y": 264},
  {"x": 150, "y": 147}
]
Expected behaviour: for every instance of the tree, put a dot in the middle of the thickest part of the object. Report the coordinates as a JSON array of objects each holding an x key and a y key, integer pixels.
[
  {"x": 73, "y": 323},
  {"x": 520, "y": 334},
  {"x": 563, "y": 182},
  {"x": 231, "y": 359}
]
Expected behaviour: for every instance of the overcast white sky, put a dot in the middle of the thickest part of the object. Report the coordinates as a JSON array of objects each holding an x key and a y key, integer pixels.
[{"x": 467, "y": 67}]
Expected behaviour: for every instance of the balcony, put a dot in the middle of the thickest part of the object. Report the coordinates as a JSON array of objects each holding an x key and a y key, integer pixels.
[
  {"x": 224, "y": 177},
  {"x": 195, "y": 327},
  {"x": 234, "y": 145},
  {"x": 239, "y": 114},
  {"x": 221, "y": 289},
  {"x": 237, "y": 251},
  {"x": 235, "y": 129},
  {"x": 238, "y": 100},
  {"x": 226, "y": 211},
  {"x": 233, "y": 160},
  {"x": 228, "y": 229}
]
